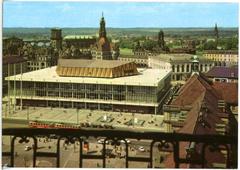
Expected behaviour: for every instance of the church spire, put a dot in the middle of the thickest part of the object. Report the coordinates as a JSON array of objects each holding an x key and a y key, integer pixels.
[
  {"x": 216, "y": 31},
  {"x": 102, "y": 30}
]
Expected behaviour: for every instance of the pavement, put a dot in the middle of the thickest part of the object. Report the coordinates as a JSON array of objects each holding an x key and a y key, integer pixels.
[
  {"x": 70, "y": 156},
  {"x": 119, "y": 120}
]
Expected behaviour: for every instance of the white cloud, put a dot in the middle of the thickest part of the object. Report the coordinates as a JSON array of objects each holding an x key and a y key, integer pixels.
[{"x": 65, "y": 7}]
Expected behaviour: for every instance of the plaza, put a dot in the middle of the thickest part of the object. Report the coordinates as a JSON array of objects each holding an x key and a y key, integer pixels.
[{"x": 88, "y": 118}]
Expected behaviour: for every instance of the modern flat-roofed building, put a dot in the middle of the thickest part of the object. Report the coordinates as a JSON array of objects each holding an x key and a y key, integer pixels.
[
  {"x": 102, "y": 85},
  {"x": 12, "y": 65}
]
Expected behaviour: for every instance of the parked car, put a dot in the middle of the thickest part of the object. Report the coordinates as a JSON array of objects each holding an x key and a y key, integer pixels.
[
  {"x": 27, "y": 148},
  {"x": 141, "y": 149},
  {"x": 127, "y": 140},
  {"x": 5, "y": 166},
  {"x": 101, "y": 141}
]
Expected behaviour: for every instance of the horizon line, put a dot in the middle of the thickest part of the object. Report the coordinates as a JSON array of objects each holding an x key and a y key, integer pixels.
[{"x": 127, "y": 27}]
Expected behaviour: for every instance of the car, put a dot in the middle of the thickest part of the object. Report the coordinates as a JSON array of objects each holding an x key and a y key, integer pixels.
[
  {"x": 101, "y": 141},
  {"x": 141, "y": 149},
  {"x": 127, "y": 140},
  {"x": 27, "y": 148},
  {"x": 6, "y": 166}
]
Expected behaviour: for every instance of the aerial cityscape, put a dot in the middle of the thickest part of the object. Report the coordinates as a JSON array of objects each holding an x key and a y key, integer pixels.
[{"x": 120, "y": 85}]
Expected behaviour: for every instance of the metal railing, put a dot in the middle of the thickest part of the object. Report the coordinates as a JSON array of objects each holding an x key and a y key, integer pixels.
[{"x": 165, "y": 141}]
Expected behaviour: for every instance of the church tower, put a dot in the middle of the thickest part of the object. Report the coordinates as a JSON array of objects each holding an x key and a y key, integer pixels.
[
  {"x": 103, "y": 51},
  {"x": 216, "y": 34},
  {"x": 102, "y": 30},
  {"x": 56, "y": 38},
  {"x": 161, "y": 42}
]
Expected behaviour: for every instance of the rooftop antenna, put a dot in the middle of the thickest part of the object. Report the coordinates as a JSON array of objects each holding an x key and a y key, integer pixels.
[{"x": 102, "y": 14}]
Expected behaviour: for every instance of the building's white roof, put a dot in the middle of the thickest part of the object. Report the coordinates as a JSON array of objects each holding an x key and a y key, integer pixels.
[
  {"x": 79, "y": 37},
  {"x": 147, "y": 77}
]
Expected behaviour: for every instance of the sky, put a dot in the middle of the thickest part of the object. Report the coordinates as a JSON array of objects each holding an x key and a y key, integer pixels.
[{"x": 119, "y": 14}]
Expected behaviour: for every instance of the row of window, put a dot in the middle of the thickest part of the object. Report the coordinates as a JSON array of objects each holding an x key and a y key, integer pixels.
[
  {"x": 201, "y": 67},
  {"x": 143, "y": 94}
]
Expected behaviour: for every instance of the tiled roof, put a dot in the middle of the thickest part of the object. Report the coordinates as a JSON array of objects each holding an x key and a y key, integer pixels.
[
  {"x": 90, "y": 63},
  {"x": 221, "y": 52},
  {"x": 13, "y": 59},
  {"x": 223, "y": 72},
  {"x": 95, "y": 68},
  {"x": 196, "y": 92},
  {"x": 228, "y": 91}
]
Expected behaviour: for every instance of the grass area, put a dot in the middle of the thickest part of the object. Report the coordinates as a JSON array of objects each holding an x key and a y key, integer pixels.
[{"x": 126, "y": 51}]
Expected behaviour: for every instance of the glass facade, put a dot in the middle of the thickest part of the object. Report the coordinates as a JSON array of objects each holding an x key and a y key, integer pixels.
[
  {"x": 143, "y": 94},
  {"x": 89, "y": 96}
]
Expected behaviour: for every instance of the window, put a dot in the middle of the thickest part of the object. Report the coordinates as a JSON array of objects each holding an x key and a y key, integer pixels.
[
  {"x": 183, "y": 68},
  {"x": 177, "y": 68},
  {"x": 173, "y": 68},
  {"x": 187, "y": 67}
]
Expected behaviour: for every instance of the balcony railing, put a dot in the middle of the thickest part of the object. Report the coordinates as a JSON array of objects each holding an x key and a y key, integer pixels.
[{"x": 165, "y": 141}]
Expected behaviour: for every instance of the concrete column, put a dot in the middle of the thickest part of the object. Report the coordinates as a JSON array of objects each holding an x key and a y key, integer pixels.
[
  {"x": 21, "y": 89},
  {"x": 14, "y": 87},
  {"x": 185, "y": 67},
  {"x": 8, "y": 89},
  {"x": 167, "y": 118},
  {"x": 85, "y": 93},
  {"x": 59, "y": 95},
  {"x": 72, "y": 94},
  {"x": 98, "y": 94},
  {"x": 112, "y": 91},
  {"x": 155, "y": 110}
]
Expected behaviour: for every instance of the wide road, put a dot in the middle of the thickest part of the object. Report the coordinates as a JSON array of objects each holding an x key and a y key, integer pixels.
[
  {"x": 23, "y": 124},
  {"x": 68, "y": 158}
]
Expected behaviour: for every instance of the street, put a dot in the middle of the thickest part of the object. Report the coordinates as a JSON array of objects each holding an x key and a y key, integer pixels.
[{"x": 69, "y": 154}]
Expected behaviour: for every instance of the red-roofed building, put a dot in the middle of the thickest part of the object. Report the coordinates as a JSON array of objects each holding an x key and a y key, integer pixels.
[
  {"x": 201, "y": 111},
  {"x": 223, "y": 74}
]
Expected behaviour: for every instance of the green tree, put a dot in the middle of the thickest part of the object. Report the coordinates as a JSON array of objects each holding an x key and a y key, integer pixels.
[
  {"x": 149, "y": 44},
  {"x": 210, "y": 45}
]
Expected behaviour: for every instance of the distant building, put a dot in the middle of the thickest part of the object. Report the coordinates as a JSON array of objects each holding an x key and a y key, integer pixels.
[
  {"x": 141, "y": 61},
  {"x": 181, "y": 64},
  {"x": 183, "y": 50},
  {"x": 12, "y": 46},
  {"x": 56, "y": 38},
  {"x": 90, "y": 47},
  {"x": 93, "y": 84},
  {"x": 39, "y": 55},
  {"x": 103, "y": 49},
  {"x": 223, "y": 74},
  {"x": 222, "y": 57},
  {"x": 83, "y": 42}
]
